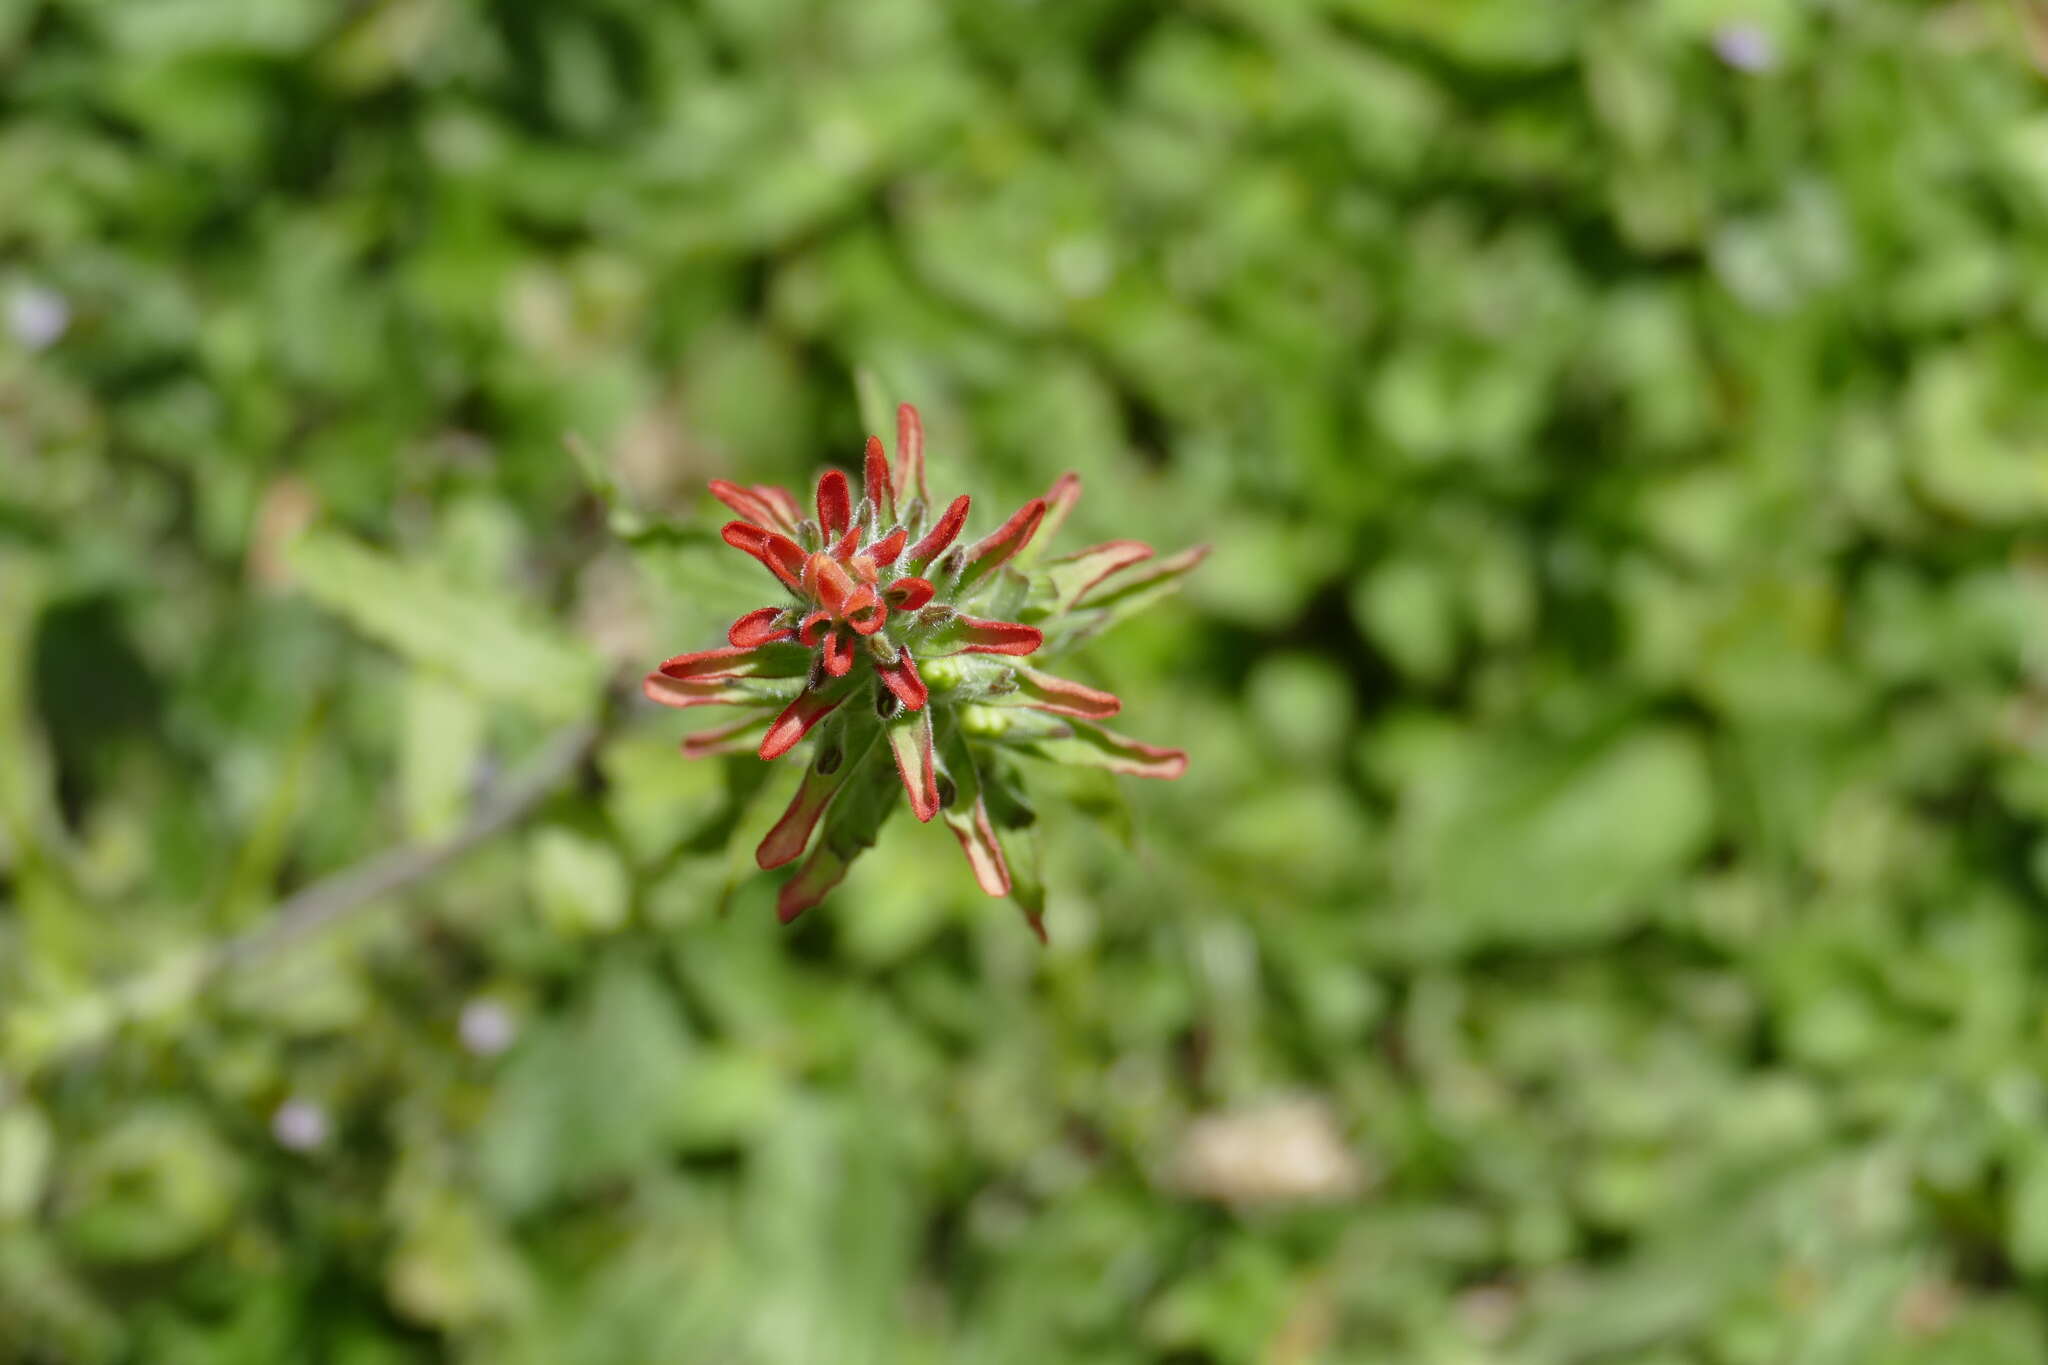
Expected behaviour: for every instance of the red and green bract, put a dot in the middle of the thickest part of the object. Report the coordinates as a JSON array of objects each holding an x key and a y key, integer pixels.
[{"x": 899, "y": 653}]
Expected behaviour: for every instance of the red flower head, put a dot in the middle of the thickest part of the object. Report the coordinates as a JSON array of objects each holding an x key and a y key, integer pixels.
[{"x": 877, "y": 650}]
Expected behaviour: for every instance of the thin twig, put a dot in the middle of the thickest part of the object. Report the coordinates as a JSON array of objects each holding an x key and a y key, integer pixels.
[
  {"x": 89, "y": 1020},
  {"x": 322, "y": 903}
]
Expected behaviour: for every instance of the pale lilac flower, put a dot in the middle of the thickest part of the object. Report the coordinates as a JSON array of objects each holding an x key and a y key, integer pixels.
[
  {"x": 37, "y": 316},
  {"x": 1745, "y": 47},
  {"x": 299, "y": 1125},
  {"x": 487, "y": 1028}
]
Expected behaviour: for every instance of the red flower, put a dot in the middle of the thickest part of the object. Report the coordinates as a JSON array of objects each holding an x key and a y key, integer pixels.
[{"x": 874, "y": 588}]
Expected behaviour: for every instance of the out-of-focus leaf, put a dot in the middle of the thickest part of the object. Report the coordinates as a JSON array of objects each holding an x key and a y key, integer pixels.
[
  {"x": 155, "y": 1186},
  {"x": 589, "y": 1097},
  {"x": 492, "y": 645},
  {"x": 1521, "y": 844},
  {"x": 579, "y": 881},
  {"x": 25, "y": 1152}
]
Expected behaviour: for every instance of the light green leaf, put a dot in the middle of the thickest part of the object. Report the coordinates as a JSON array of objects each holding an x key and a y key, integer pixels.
[
  {"x": 580, "y": 882},
  {"x": 1535, "y": 844},
  {"x": 488, "y": 643}
]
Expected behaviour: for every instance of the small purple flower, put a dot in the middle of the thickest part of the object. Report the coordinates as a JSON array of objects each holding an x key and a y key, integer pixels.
[
  {"x": 299, "y": 1125},
  {"x": 1745, "y": 47},
  {"x": 37, "y": 316},
  {"x": 487, "y": 1028}
]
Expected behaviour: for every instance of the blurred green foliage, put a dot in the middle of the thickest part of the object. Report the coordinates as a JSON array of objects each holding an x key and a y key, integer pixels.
[{"x": 1617, "y": 699}]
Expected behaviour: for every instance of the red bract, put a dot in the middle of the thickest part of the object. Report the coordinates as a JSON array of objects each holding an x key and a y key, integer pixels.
[{"x": 875, "y": 586}]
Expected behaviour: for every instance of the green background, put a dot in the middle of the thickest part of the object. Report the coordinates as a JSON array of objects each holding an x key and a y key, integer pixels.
[{"x": 1617, "y": 699}]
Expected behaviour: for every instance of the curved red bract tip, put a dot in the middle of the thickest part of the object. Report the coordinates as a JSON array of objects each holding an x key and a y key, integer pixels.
[
  {"x": 875, "y": 484},
  {"x": 910, "y": 448},
  {"x": 838, "y": 653},
  {"x": 829, "y": 582},
  {"x": 794, "y": 723},
  {"x": 722, "y": 740},
  {"x": 998, "y": 637},
  {"x": 783, "y": 557},
  {"x": 1076, "y": 573},
  {"x": 1065, "y": 697},
  {"x": 940, "y": 536},
  {"x": 771, "y": 508},
  {"x": 835, "y": 503},
  {"x": 996, "y": 549},
  {"x": 908, "y": 594},
  {"x": 786, "y": 841},
  {"x": 901, "y": 678},
  {"x": 1059, "y": 501},
  {"x": 864, "y": 611},
  {"x": 915, "y": 765},
  {"x": 822, "y": 871},
  {"x": 706, "y": 664},
  {"x": 1131, "y": 757},
  {"x": 680, "y": 692},
  {"x": 783, "y": 500},
  {"x": 758, "y": 628},
  {"x": 885, "y": 550},
  {"x": 984, "y": 852}
]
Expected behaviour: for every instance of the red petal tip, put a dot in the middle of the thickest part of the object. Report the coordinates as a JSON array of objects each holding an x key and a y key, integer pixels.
[
  {"x": 769, "y": 507},
  {"x": 758, "y": 628},
  {"x": 829, "y": 580},
  {"x": 822, "y": 871},
  {"x": 908, "y": 594},
  {"x": 864, "y": 611},
  {"x": 995, "y": 549},
  {"x": 941, "y": 535},
  {"x": 901, "y": 678},
  {"x": 889, "y": 547},
  {"x": 706, "y": 743},
  {"x": 679, "y": 692},
  {"x": 881, "y": 494},
  {"x": 785, "y": 843},
  {"x": 984, "y": 854},
  {"x": 795, "y": 897},
  {"x": 1060, "y": 500},
  {"x": 916, "y": 767},
  {"x": 835, "y": 502},
  {"x": 838, "y": 654},
  {"x": 1065, "y": 697},
  {"x": 783, "y": 556},
  {"x": 999, "y": 637},
  {"x": 910, "y": 448},
  {"x": 794, "y": 723},
  {"x": 708, "y": 664},
  {"x": 1077, "y": 573}
]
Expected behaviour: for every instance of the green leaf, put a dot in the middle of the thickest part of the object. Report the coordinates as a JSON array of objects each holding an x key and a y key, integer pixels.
[
  {"x": 2027, "y": 1209},
  {"x": 155, "y": 1186},
  {"x": 1523, "y": 843},
  {"x": 491, "y": 644},
  {"x": 444, "y": 739},
  {"x": 589, "y": 1097},
  {"x": 580, "y": 882},
  {"x": 26, "y": 1146}
]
